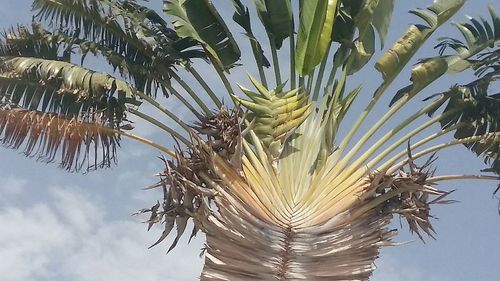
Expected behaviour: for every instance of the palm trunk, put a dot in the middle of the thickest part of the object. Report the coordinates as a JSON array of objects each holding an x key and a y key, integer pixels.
[{"x": 242, "y": 247}]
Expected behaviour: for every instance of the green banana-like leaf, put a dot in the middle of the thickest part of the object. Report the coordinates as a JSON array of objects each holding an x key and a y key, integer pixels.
[
  {"x": 315, "y": 33},
  {"x": 377, "y": 13},
  {"x": 63, "y": 88},
  {"x": 275, "y": 114},
  {"x": 382, "y": 19},
  {"x": 276, "y": 16},
  {"x": 373, "y": 15},
  {"x": 200, "y": 20},
  {"x": 242, "y": 17},
  {"x": 393, "y": 61},
  {"x": 363, "y": 51},
  {"x": 423, "y": 74},
  {"x": 478, "y": 37},
  {"x": 344, "y": 28}
]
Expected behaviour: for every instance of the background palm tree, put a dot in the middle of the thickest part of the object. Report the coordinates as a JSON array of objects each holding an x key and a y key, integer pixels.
[{"x": 350, "y": 193}]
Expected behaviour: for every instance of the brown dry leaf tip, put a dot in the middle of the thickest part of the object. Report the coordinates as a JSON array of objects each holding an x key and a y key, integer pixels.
[
  {"x": 185, "y": 195},
  {"x": 81, "y": 145},
  {"x": 222, "y": 130},
  {"x": 413, "y": 195}
]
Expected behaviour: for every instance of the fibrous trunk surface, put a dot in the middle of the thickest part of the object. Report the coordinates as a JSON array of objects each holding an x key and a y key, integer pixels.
[{"x": 250, "y": 249}]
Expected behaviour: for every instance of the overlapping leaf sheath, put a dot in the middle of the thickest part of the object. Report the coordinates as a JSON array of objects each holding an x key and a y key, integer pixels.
[
  {"x": 275, "y": 114},
  {"x": 248, "y": 240},
  {"x": 262, "y": 251}
]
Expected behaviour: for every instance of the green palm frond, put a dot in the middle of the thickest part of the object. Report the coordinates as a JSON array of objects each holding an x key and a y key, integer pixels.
[
  {"x": 478, "y": 35},
  {"x": 479, "y": 117},
  {"x": 95, "y": 20},
  {"x": 487, "y": 61},
  {"x": 134, "y": 39},
  {"x": 20, "y": 41},
  {"x": 61, "y": 87}
]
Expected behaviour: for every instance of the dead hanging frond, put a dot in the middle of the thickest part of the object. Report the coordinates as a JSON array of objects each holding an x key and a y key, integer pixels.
[
  {"x": 185, "y": 195},
  {"x": 222, "y": 130},
  {"x": 82, "y": 145},
  {"x": 410, "y": 195}
]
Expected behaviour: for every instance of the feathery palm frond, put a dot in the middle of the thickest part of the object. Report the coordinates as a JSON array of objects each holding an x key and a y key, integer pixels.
[
  {"x": 95, "y": 20},
  {"x": 479, "y": 116},
  {"x": 37, "y": 73},
  {"x": 58, "y": 107},
  {"x": 62, "y": 87},
  {"x": 19, "y": 41},
  {"x": 478, "y": 37},
  {"x": 134, "y": 39}
]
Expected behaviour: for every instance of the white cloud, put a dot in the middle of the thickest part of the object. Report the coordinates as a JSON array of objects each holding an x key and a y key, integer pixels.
[
  {"x": 69, "y": 238},
  {"x": 389, "y": 269},
  {"x": 11, "y": 186}
]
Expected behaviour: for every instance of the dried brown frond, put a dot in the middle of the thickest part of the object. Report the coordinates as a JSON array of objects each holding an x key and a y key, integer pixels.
[
  {"x": 82, "y": 145},
  {"x": 411, "y": 195},
  {"x": 222, "y": 130},
  {"x": 185, "y": 194}
]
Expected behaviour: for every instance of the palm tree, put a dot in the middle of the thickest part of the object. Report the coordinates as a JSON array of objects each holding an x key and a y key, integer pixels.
[{"x": 263, "y": 175}]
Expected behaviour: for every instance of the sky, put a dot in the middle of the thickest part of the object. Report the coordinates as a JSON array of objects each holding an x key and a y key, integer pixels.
[{"x": 60, "y": 226}]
